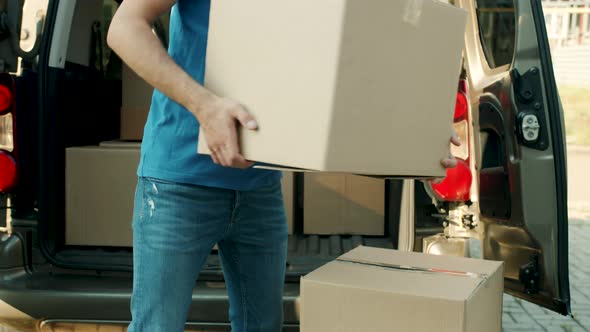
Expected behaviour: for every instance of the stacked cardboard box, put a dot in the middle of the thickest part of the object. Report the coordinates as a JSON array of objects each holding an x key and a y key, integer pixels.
[
  {"x": 343, "y": 204},
  {"x": 380, "y": 290},
  {"x": 136, "y": 101},
  {"x": 100, "y": 186}
]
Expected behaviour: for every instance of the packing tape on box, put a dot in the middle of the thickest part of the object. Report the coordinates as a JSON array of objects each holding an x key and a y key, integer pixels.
[
  {"x": 413, "y": 12},
  {"x": 415, "y": 269}
]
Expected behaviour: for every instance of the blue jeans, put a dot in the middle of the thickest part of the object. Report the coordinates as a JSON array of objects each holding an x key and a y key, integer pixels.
[{"x": 175, "y": 226}]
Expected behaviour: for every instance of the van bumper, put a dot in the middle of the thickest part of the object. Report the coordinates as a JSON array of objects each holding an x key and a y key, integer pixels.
[{"x": 29, "y": 301}]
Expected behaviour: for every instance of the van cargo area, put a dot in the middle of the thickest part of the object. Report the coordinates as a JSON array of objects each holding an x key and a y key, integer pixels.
[{"x": 82, "y": 105}]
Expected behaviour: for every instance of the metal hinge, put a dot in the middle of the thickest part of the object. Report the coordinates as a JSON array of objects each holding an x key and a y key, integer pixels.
[{"x": 530, "y": 276}]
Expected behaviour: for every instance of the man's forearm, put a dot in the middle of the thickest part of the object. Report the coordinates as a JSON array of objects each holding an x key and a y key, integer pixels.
[{"x": 133, "y": 40}]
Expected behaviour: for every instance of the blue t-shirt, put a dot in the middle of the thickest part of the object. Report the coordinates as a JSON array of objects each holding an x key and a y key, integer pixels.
[{"x": 169, "y": 148}]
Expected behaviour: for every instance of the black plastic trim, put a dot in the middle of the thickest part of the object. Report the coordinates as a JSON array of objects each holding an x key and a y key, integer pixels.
[
  {"x": 48, "y": 202},
  {"x": 43, "y": 66},
  {"x": 49, "y": 238},
  {"x": 90, "y": 298},
  {"x": 491, "y": 118},
  {"x": 529, "y": 100},
  {"x": 210, "y": 327},
  {"x": 47, "y": 194}
]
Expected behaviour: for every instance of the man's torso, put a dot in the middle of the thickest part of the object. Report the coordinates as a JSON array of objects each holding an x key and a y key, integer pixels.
[{"x": 171, "y": 132}]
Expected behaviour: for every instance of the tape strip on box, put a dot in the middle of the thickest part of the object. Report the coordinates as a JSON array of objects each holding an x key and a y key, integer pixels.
[{"x": 415, "y": 269}]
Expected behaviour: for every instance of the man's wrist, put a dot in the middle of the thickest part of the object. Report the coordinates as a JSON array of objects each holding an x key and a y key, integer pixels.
[{"x": 200, "y": 103}]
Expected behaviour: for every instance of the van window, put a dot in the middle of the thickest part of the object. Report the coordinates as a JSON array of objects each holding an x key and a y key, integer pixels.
[{"x": 497, "y": 28}]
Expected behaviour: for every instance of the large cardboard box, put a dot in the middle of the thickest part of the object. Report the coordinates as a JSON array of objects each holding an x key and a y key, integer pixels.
[
  {"x": 100, "y": 186},
  {"x": 380, "y": 290},
  {"x": 343, "y": 204},
  {"x": 136, "y": 101},
  {"x": 362, "y": 87}
]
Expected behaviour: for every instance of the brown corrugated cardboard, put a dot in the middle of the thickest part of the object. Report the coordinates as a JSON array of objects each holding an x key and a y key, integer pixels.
[
  {"x": 136, "y": 100},
  {"x": 363, "y": 87},
  {"x": 343, "y": 204},
  {"x": 120, "y": 144},
  {"x": 288, "y": 187},
  {"x": 100, "y": 186},
  {"x": 376, "y": 290},
  {"x": 132, "y": 123},
  {"x": 136, "y": 93}
]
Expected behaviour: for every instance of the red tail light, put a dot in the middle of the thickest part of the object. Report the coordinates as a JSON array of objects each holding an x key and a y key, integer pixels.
[
  {"x": 461, "y": 106},
  {"x": 8, "y": 171},
  {"x": 456, "y": 187},
  {"x": 5, "y": 100},
  {"x": 8, "y": 151}
]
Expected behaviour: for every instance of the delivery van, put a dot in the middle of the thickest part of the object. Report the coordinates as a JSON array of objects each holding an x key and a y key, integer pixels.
[{"x": 67, "y": 173}]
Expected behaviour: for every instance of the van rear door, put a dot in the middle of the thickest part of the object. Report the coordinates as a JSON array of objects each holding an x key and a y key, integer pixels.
[{"x": 521, "y": 162}]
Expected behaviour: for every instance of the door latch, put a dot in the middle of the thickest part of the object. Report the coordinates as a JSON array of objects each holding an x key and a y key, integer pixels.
[
  {"x": 529, "y": 127},
  {"x": 530, "y": 109}
]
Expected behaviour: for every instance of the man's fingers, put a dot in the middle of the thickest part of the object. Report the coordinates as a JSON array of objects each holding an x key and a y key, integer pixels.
[
  {"x": 215, "y": 158},
  {"x": 449, "y": 162},
  {"x": 244, "y": 164},
  {"x": 221, "y": 156},
  {"x": 224, "y": 143},
  {"x": 247, "y": 164},
  {"x": 245, "y": 118},
  {"x": 232, "y": 150},
  {"x": 232, "y": 156},
  {"x": 214, "y": 149},
  {"x": 236, "y": 160},
  {"x": 455, "y": 139}
]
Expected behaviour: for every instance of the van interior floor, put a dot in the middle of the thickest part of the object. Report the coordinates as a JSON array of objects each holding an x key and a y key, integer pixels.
[{"x": 306, "y": 253}]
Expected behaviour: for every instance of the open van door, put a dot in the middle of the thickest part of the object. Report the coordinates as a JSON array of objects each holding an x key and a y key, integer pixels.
[
  {"x": 21, "y": 28},
  {"x": 520, "y": 145}
]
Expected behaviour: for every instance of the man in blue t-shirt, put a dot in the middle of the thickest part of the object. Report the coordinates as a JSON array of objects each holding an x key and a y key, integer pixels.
[{"x": 185, "y": 203}]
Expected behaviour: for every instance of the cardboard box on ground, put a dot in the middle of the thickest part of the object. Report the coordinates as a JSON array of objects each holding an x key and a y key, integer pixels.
[
  {"x": 363, "y": 87},
  {"x": 100, "y": 186},
  {"x": 378, "y": 290}
]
